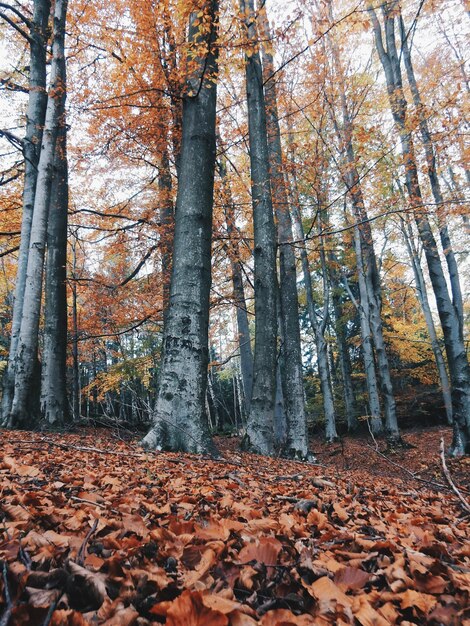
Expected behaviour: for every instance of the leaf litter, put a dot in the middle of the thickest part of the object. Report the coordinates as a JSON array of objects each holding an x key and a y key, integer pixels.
[{"x": 94, "y": 530}]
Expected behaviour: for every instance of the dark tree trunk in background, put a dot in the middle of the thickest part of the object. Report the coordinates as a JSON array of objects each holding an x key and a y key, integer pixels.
[
  {"x": 259, "y": 432},
  {"x": 54, "y": 403},
  {"x": 35, "y": 116},
  {"x": 76, "y": 400},
  {"x": 243, "y": 327},
  {"x": 343, "y": 350},
  {"x": 167, "y": 223},
  {"x": 179, "y": 417}
]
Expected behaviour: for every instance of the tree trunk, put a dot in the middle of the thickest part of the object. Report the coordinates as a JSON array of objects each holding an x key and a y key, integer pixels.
[
  {"x": 37, "y": 102},
  {"x": 167, "y": 221},
  {"x": 259, "y": 431},
  {"x": 366, "y": 335},
  {"x": 243, "y": 327},
  {"x": 365, "y": 247},
  {"x": 433, "y": 178},
  {"x": 54, "y": 403},
  {"x": 76, "y": 408},
  {"x": 454, "y": 343},
  {"x": 318, "y": 326},
  {"x": 296, "y": 441},
  {"x": 179, "y": 417},
  {"x": 28, "y": 338},
  {"x": 343, "y": 350},
  {"x": 423, "y": 299}
]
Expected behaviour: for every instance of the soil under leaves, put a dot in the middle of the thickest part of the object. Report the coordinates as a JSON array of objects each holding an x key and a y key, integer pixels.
[{"x": 94, "y": 530}]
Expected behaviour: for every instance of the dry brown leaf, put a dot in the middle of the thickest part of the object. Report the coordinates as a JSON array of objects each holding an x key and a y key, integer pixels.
[
  {"x": 365, "y": 614},
  {"x": 414, "y": 599},
  {"x": 283, "y": 617},
  {"x": 189, "y": 609},
  {"x": 348, "y": 578}
]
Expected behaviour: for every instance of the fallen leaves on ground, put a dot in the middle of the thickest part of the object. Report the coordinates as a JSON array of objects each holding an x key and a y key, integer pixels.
[{"x": 128, "y": 537}]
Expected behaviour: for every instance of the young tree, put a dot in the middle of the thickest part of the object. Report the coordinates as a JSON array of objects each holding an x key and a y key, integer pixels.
[{"x": 179, "y": 417}]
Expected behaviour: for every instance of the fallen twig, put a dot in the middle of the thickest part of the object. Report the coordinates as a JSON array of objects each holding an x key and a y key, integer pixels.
[
  {"x": 8, "y": 603},
  {"x": 66, "y": 446},
  {"x": 407, "y": 471},
  {"x": 51, "y": 609},
  {"x": 372, "y": 435},
  {"x": 102, "y": 506},
  {"x": 81, "y": 552},
  {"x": 453, "y": 486}
]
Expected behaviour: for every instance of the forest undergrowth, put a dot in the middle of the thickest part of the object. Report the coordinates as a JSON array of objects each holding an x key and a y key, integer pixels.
[{"x": 94, "y": 530}]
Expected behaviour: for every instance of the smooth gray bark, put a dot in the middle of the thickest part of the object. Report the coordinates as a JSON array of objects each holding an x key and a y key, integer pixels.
[
  {"x": 179, "y": 417},
  {"x": 429, "y": 152},
  {"x": 259, "y": 431},
  {"x": 457, "y": 360},
  {"x": 365, "y": 247},
  {"x": 35, "y": 115},
  {"x": 363, "y": 307},
  {"x": 296, "y": 439},
  {"x": 76, "y": 404},
  {"x": 424, "y": 301},
  {"x": 343, "y": 351},
  {"x": 54, "y": 403},
  {"x": 318, "y": 325},
  {"x": 167, "y": 222},
  {"x": 243, "y": 326},
  {"x": 25, "y": 358}
]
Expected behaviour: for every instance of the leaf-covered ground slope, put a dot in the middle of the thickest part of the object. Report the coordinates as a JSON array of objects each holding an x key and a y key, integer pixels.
[{"x": 127, "y": 537}]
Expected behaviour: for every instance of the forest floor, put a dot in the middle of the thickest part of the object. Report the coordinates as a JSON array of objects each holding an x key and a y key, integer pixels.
[{"x": 93, "y": 530}]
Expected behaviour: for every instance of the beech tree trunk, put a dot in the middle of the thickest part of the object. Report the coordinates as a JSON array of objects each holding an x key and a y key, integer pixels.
[
  {"x": 433, "y": 178},
  {"x": 25, "y": 358},
  {"x": 366, "y": 335},
  {"x": 457, "y": 360},
  {"x": 259, "y": 431},
  {"x": 424, "y": 301},
  {"x": 343, "y": 350},
  {"x": 76, "y": 399},
  {"x": 167, "y": 221},
  {"x": 35, "y": 115},
  {"x": 296, "y": 438},
  {"x": 365, "y": 247},
  {"x": 179, "y": 417},
  {"x": 54, "y": 403},
  {"x": 243, "y": 327},
  {"x": 318, "y": 325}
]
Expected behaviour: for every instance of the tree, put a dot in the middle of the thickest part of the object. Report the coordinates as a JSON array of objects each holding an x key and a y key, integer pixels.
[
  {"x": 259, "y": 431},
  {"x": 25, "y": 386},
  {"x": 452, "y": 329},
  {"x": 37, "y": 102},
  {"x": 179, "y": 418},
  {"x": 243, "y": 327},
  {"x": 296, "y": 443}
]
